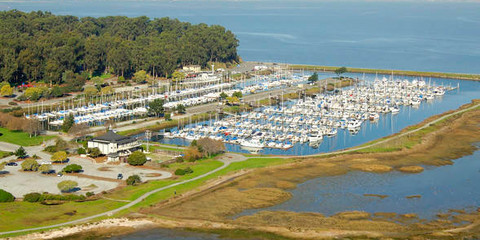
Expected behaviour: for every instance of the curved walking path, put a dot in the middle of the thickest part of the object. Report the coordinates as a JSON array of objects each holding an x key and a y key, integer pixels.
[{"x": 227, "y": 160}]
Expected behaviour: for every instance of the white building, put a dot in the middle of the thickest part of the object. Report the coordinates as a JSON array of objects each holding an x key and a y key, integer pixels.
[
  {"x": 116, "y": 147},
  {"x": 192, "y": 68}
]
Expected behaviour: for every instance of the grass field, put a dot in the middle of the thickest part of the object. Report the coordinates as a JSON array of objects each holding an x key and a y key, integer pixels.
[
  {"x": 5, "y": 154},
  {"x": 18, "y": 215},
  {"x": 21, "y": 138}
]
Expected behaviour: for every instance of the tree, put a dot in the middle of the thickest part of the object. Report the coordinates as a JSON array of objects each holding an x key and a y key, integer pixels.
[
  {"x": 192, "y": 154},
  {"x": 6, "y": 196},
  {"x": 20, "y": 153},
  {"x": 68, "y": 122},
  {"x": 181, "y": 108},
  {"x": 178, "y": 76},
  {"x": 90, "y": 91},
  {"x": 233, "y": 100},
  {"x": 6, "y": 91},
  {"x": 313, "y": 78},
  {"x": 39, "y": 46},
  {"x": 78, "y": 130},
  {"x": 59, "y": 157},
  {"x": 61, "y": 145},
  {"x": 56, "y": 92},
  {"x": 140, "y": 76},
  {"x": 98, "y": 81},
  {"x": 67, "y": 185},
  {"x": 223, "y": 95},
  {"x": 32, "y": 126},
  {"x": 121, "y": 79},
  {"x": 156, "y": 108},
  {"x": 107, "y": 90},
  {"x": 94, "y": 152},
  {"x": 75, "y": 168},
  {"x": 237, "y": 94},
  {"x": 137, "y": 158},
  {"x": 340, "y": 71},
  {"x": 134, "y": 180},
  {"x": 45, "y": 168},
  {"x": 211, "y": 146},
  {"x": 30, "y": 165}
]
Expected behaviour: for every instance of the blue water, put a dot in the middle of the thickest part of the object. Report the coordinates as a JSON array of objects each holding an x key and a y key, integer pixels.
[
  {"x": 442, "y": 188},
  {"x": 411, "y": 35},
  {"x": 387, "y": 124},
  {"x": 423, "y": 36},
  {"x": 168, "y": 234}
]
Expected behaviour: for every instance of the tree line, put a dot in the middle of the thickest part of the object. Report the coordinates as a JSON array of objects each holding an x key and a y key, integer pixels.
[{"x": 40, "y": 46}]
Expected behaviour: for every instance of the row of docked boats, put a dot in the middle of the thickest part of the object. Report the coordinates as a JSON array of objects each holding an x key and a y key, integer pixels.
[
  {"x": 311, "y": 119},
  {"x": 135, "y": 104}
]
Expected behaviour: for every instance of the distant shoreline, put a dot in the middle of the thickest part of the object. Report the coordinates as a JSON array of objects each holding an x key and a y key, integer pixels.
[{"x": 461, "y": 76}]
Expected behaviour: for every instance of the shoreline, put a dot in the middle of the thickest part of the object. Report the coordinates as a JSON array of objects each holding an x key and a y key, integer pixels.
[
  {"x": 411, "y": 73},
  {"x": 247, "y": 189},
  {"x": 449, "y": 123}
]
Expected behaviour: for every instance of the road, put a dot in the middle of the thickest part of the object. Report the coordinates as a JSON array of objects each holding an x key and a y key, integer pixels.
[{"x": 227, "y": 160}]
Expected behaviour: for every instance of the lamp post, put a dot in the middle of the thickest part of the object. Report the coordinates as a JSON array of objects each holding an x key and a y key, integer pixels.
[{"x": 148, "y": 135}]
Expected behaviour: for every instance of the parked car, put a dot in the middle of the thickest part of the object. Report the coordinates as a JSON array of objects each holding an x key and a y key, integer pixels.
[
  {"x": 12, "y": 164},
  {"x": 59, "y": 174},
  {"x": 120, "y": 176},
  {"x": 51, "y": 171}
]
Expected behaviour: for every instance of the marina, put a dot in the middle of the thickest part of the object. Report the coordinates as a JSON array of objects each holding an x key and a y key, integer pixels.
[
  {"x": 301, "y": 127},
  {"x": 310, "y": 120},
  {"x": 131, "y": 105}
]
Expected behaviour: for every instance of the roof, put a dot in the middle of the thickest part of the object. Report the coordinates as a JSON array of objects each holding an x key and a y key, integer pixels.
[{"x": 112, "y": 137}]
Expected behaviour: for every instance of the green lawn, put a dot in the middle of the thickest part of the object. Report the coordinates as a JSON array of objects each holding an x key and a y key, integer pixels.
[
  {"x": 5, "y": 154},
  {"x": 21, "y": 138},
  {"x": 18, "y": 215},
  {"x": 153, "y": 147}
]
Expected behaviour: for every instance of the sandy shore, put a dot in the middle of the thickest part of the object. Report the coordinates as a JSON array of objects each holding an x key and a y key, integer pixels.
[{"x": 112, "y": 226}]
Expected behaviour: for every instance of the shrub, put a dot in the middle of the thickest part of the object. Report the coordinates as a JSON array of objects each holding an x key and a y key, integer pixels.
[
  {"x": 30, "y": 165},
  {"x": 188, "y": 170},
  {"x": 179, "y": 172},
  {"x": 94, "y": 152},
  {"x": 45, "y": 168},
  {"x": 72, "y": 168},
  {"x": 32, "y": 197},
  {"x": 137, "y": 158},
  {"x": 12, "y": 103},
  {"x": 134, "y": 180},
  {"x": 89, "y": 194},
  {"x": 81, "y": 151},
  {"x": 58, "y": 197},
  {"x": 6, "y": 196},
  {"x": 59, "y": 157},
  {"x": 67, "y": 186},
  {"x": 50, "y": 149}
]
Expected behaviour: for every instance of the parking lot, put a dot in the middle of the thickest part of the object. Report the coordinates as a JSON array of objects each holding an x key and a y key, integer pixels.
[{"x": 96, "y": 177}]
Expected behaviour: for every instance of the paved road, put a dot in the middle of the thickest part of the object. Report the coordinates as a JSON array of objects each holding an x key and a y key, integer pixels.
[
  {"x": 227, "y": 159},
  {"x": 230, "y": 157}
]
